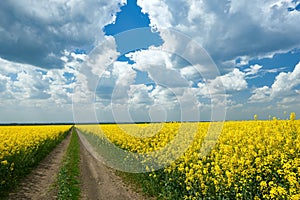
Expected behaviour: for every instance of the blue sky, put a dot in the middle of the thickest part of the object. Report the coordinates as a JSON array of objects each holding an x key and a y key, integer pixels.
[{"x": 136, "y": 74}]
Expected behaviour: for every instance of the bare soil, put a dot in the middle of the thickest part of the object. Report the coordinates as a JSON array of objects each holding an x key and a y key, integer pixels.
[
  {"x": 100, "y": 182},
  {"x": 97, "y": 181},
  {"x": 40, "y": 183}
]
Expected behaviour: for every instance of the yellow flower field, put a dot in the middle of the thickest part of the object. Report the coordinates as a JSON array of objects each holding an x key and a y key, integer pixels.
[
  {"x": 250, "y": 159},
  {"x": 22, "y": 147}
]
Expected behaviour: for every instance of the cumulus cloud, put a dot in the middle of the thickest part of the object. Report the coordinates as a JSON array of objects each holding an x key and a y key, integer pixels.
[
  {"x": 284, "y": 82},
  {"x": 139, "y": 95},
  {"x": 181, "y": 85},
  {"x": 3, "y": 83},
  {"x": 160, "y": 67},
  {"x": 125, "y": 76},
  {"x": 40, "y": 69},
  {"x": 94, "y": 73},
  {"x": 261, "y": 94},
  {"x": 253, "y": 70},
  {"x": 157, "y": 18},
  {"x": 37, "y": 33},
  {"x": 31, "y": 91},
  {"x": 233, "y": 81},
  {"x": 26, "y": 82},
  {"x": 102, "y": 56},
  {"x": 190, "y": 73},
  {"x": 229, "y": 29},
  {"x": 282, "y": 87}
]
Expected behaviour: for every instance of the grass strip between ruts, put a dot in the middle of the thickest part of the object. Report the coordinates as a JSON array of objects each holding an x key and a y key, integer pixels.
[{"x": 68, "y": 176}]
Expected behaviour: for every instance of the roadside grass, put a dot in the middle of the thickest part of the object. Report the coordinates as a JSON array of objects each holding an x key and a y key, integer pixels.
[
  {"x": 23, "y": 162},
  {"x": 68, "y": 176},
  {"x": 142, "y": 183}
]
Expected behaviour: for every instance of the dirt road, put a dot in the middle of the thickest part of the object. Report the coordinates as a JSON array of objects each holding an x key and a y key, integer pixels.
[
  {"x": 39, "y": 184},
  {"x": 97, "y": 180},
  {"x": 100, "y": 182}
]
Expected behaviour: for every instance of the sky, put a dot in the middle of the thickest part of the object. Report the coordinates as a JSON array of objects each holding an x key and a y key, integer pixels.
[{"x": 139, "y": 60}]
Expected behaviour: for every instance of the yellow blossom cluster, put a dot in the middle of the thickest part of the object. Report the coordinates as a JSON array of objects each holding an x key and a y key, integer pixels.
[
  {"x": 249, "y": 159},
  {"x": 22, "y": 147}
]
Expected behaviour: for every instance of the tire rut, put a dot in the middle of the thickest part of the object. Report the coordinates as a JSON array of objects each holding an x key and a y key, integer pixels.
[
  {"x": 99, "y": 182},
  {"x": 39, "y": 183}
]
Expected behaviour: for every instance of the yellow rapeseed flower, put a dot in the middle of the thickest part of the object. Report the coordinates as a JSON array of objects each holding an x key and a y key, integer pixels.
[{"x": 259, "y": 156}]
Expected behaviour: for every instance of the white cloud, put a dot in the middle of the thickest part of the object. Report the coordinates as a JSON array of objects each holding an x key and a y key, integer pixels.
[
  {"x": 190, "y": 73},
  {"x": 260, "y": 94},
  {"x": 274, "y": 70},
  {"x": 162, "y": 17},
  {"x": 3, "y": 83},
  {"x": 139, "y": 95},
  {"x": 96, "y": 67},
  {"x": 102, "y": 56},
  {"x": 233, "y": 81},
  {"x": 151, "y": 57},
  {"x": 282, "y": 87},
  {"x": 252, "y": 70},
  {"x": 45, "y": 35},
  {"x": 102, "y": 75},
  {"x": 31, "y": 92},
  {"x": 125, "y": 76},
  {"x": 37, "y": 33},
  {"x": 23, "y": 81},
  {"x": 164, "y": 96},
  {"x": 124, "y": 72},
  {"x": 230, "y": 82},
  {"x": 243, "y": 60},
  {"x": 159, "y": 66},
  {"x": 230, "y": 29},
  {"x": 163, "y": 68},
  {"x": 284, "y": 82}
]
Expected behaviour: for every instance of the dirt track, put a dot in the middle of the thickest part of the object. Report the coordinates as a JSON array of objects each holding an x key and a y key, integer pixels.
[
  {"x": 39, "y": 184},
  {"x": 97, "y": 180},
  {"x": 100, "y": 182}
]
